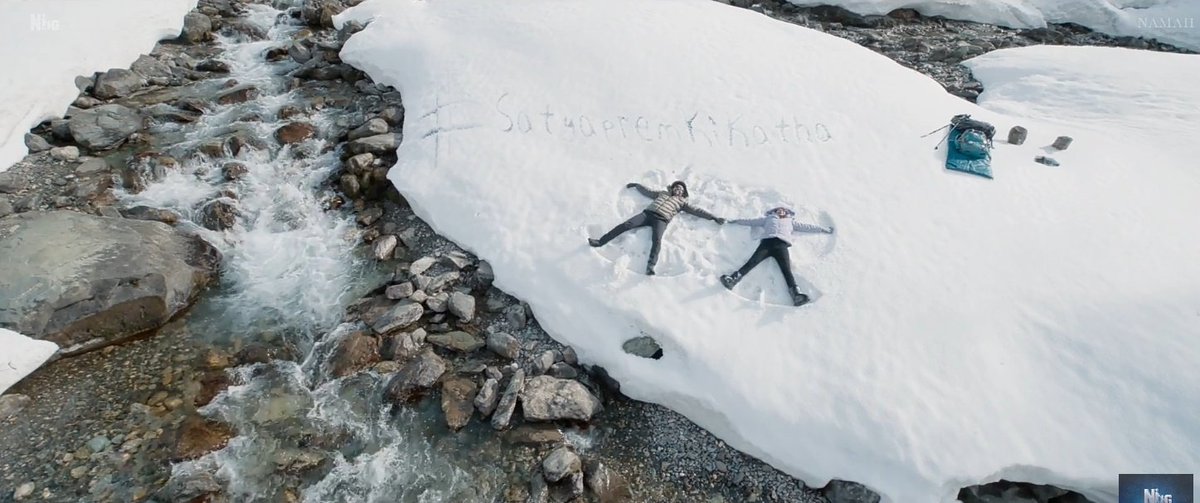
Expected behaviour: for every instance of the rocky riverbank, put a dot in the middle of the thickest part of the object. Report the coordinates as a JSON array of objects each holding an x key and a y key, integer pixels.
[{"x": 348, "y": 352}]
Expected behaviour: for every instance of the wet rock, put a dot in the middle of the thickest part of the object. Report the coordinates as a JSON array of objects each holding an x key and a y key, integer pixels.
[
  {"x": 319, "y": 13},
  {"x": 493, "y": 373},
  {"x": 504, "y": 345},
  {"x": 237, "y": 95},
  {"x": 560, "y": 463},
  {"x": 6, "y": 207},
  {"x": 69, "y": 153},
  {"x": 568, "y": 489},
  {"x": 243, "y": 141},
  {"x": 539, "y": 491},
  {"x": 91, "y": 166},
  {"x": 645, "y": 347},
  {"x": 219, "y": 214},
  {"x": 436, "y": 303},
  {"x": 299, "y": 52},
  {"x": 457, "y": 396},
  {"x": 385, "y": 247},
  {"x": 546, "y": 398},
  {"x": 11, "y": 184},
  {"x": 212, "y": 383},
  {"x": 415, "y": 377},
  {"x": 212, "y": 66},
  {"x": 354, "y": 352},
  {"x": 508, "y": 401},
  {"x": 542, "y": 363},
  {"x": 349, "y": 185},
  {"x": 488, "y": 397},
  {"x": 401, "y": 315},
  {"x": 371, "y": 128},
  {"x": 116, "y": 83},
  {"x": 295, "y": 132},
  {"x": 68, "y": 277},
  {"x": 199, "y": 436},
  {"x": 370, "y": 216},
  {"x": 36, "y": 143},
  {"x": 516, "y": 316},
  {"x": 379, "y": 144},
  {"x": 150, "y": 67},
  {"x": 191, "y": 486},
  {"x": 234, "y": 171},
  {"x": 607, "y": 485},
  {"x": 276, "y": 54},
  {"x": 104, "y": 127},
  {"x": 197, "y": 28},
  {"x": 399, "y": 291},
  {"x": 154, "y": 214},
  {"x": 144, "y": 168},
  {"x": 456, "y": 341},
  {"x": 563, "y": 371},
  {"x": 535, "y": 434},
  {"x": 462, "y": 306},
  {"x": 12, "y": 404},
  {"x": 360, "y": 163},
  {"x": 402, "y": 346},
  {"x": 393, "y": 115},
  {"x": 841, "y": 491}
]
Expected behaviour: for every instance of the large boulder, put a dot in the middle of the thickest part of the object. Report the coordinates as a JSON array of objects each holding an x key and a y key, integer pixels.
[
  {"x": 415, "y": 377},
  {"x": 379, "y": 144},
  {"x": 105, "y": 126},
  {"x": 458, "y": 396},
  {"x": 196, "y": 27},
  {"x": 560, "y": 463},
  {"x": 607, "y": 485},
  {"x": 353, "y": 352},
  {"x": 116, "y": 83},
  {"x": 83, "y": 281},
  {"x": 460, "y": 341},
  {"x": 546, "y": 398}
]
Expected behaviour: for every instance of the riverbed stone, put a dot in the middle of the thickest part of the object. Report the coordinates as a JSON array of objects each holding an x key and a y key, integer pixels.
[
  {"x": 219, "y": 214},
  {"x": 234, "y": 171},
  {"x": 105, "y": 126},
  {"x": 360, "y": 163},
  {"x": 399, "y": 316},
  {"x": 644, "y": 346},
  {"x": 456, "y": 341},
  {"x": 370, "y": 128},
  {"x": 542, "y": 363},
  {"x": 199, "y": 436},
  {"x": 458, "y": 394},
  {"x": 842, "y": 491},
  {"x": 377, "y": 145},
  {"x": 69, "y": 153},
  {"x": 12, "y": 404},
  {"x": 462, "y": 306},
  {"x": 196, "y": 27},
  {"x": 546, "y": 398},
  {"x": 354, "y": 352},
  {"x": 295, "y": 132},
  {"x": 539, "y": 491},
  {"x": 563, "y": 370},
  {"x": 419, "y": 266},
  {"x": 606, "y": 484},
  {"x": 240, "y": 94},
  {"x": 560, "y": 463},
  {"x": 415, "y": 377},
  {"x": 36, "y": 143},
  {"x": 116, "y": 83},
  {"x": 437, "y": 303},
  {"x": 385, "y": 247},
  {"x": 69, "y": 278},
  {"x": 488, "y": 397},
  {"x": 399, "y": 291},
  {"x": 504, "y": 345},
  {"x": 569, "y": 489},
  {"x": 153, "y": 214},
  {"x": 508, "y": 401}
]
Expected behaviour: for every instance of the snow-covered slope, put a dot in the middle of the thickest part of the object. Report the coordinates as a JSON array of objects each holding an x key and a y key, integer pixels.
[
  {"x": 1171, "y": 21},
  {"x": 20, "y": 355},
  {"x": 45, "y": 44},
  {"x": 1041, "y": 326}
]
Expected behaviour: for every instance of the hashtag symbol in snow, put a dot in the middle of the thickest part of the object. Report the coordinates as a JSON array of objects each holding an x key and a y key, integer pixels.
[{"x": 439, "y": 132}]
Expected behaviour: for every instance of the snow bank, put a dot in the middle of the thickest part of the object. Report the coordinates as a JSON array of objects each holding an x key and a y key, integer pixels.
[
  {"x": 20, "y": 356},
  {"x": 1171, "y": 21},
  {"x": 45, "y": 44},
  {"x": 1041, "y": 326}
]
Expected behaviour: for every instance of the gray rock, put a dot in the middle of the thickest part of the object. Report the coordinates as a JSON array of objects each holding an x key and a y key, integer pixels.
[
  {"x": 69, "y": 277},
  {"x": 644, "y": 346},
  {"x": 419, "y": 266},
  {"x": 399, "y": 291},
  {"x": 84, "y": 102},
  {"x": 370, "y": 216},
  {"x": 841, "y": 491},
  {"x": 98, "y": 444},
  {"x": 437, "y": 303},
  {"x": 1017, "y": 135},
  {"x": 371, "y": 128},
  {"x": 462, "y": 306},
  {"x": 196, "y": 27},
  {"x": 515, "y": 315},
  {"x": 24, "y": 491},
  {"x": 212, "y": 66},
  {"x": 36, "y": 143},
  {"x": 68, "y": 153},
  {"x": 568, "y": 489},
  {"x": 219, "y": 214},
  {"x": 608, "y": 485},
  {"x": 104, "y": 127},
  {"x": 504, "y": 345},
  {"x": 385, "y": 247},
  {"x": 150, "y": 67},
  {"x": 409, "y": 237},
  {"x": 441, "y": 281},
  {"x": 562, "y": 370},
  {"x": 378, "y": 144},
  {"x": 456, "y": 341},
  {"x": 190, "y": 485},
  {"x": 1062, "y": 142},
  {"x": 12, "y": 404},
  {"x": 543, "y": 362},
  {"x": 560, "y": 463},
  {"x": 414, "y": 377},
  {"x": 155, "y": 214},
  {"x": 91, "y": 187},
  {"x": 488, "y": 397},
  {"x": 10, "y": 183},
  {"x": 493, "y": 373},
  {"x": 116, "y": 83},
  {"x": 360, "y": 163},
  {"x": 350, "y": 185},
  {"x": 457, "y": 396},
  {"x": 234, "y": 171},
  {"x": 458, "y": 260},
  {"x": 569, "y": 356},
  {"x": 508, "y": 402},
  {"x": 539, "y": 491},
  {"x": 91, "y": 166},
  {"x": 419, "y": 296},
  {"x": 6, "y": 207},
  {"x": 397, "y": 317},
  {"x": 546, "y": 398},
  {"x": 484, "y": 273},
  {"x": 393, "y": 115},
  {"x": 240, "y": 94},
  {"x": 299, "y": 52}
]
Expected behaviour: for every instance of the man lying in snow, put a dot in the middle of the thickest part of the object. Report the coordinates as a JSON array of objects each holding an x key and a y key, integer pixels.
[
  {"x": 666, "y": 204},
  {"x": 776, "y": 229}
]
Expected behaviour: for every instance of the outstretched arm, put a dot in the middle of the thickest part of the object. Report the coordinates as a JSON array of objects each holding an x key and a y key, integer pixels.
[
  {"x": 799, "y": 227},
  {"x": 699, "y": 212},
  {"x": 752, "y": 222},
  {"x": 645, "y": 191}
]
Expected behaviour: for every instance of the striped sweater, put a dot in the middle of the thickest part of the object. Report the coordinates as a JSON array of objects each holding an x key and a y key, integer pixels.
[{"x": 666, "y": 206}]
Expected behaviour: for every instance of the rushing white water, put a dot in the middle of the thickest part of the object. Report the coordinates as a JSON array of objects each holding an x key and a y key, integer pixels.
[{"x": 289, "y": 270}]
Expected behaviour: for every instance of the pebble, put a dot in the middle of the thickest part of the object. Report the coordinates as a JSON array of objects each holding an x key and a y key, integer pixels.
[{"x": 24, "y": 490}]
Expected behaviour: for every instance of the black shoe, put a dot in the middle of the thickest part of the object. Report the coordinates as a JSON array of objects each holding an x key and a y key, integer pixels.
[
  {"x": 731, "y": 280},
  {"x": 798, "y": 298},
  {"x": 595, "y": 242}
]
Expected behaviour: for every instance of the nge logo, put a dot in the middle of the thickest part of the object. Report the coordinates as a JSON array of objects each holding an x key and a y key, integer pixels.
[
  {"x": 1153, "y": 496},
  {"x": 1155, "y": 488}
]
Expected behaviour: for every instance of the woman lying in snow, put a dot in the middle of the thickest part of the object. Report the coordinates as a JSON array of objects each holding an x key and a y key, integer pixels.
[
  {"x": 666, "y": 204},
  {"x": 776, "y": 229}
]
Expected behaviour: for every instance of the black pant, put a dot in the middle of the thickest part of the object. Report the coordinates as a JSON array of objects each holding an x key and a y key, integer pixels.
[
  {"x": 777, "y": 249},
  {"x": 646, "y": 218}
]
